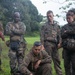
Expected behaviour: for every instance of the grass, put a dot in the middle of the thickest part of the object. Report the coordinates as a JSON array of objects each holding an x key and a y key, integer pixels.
[
  {"x": 5, "y": 58},
  {"x": 31, "y": 40}
]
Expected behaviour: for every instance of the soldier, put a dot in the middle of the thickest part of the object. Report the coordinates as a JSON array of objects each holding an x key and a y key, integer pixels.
[
  {"x": 37, "y": 62},
  {"x": 2, "y": 37},
  {"x": 50, "y": 38},
  {"x": 16, "y": 31},
  {"x": 68, "y": 44}
]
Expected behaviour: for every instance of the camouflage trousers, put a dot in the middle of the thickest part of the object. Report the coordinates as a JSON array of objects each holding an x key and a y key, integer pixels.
[
  {"x": 0, "y": 53},
  {"x": 69, "y": 62},
  {"x": 44, "y": 69},
  {"x": 16, "y": 58},
  {"x": 51, "y": 49}
]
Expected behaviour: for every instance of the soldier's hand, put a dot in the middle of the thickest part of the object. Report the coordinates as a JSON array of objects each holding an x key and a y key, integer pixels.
[
  {"x": 31, "y": 74},
  {"x": 42, "y": 47},
  {"x": 67, "y": 31},
  {"x": 59, "y": 45},
  {"x": 13, "y": 28},
  {"x": 37, "y": 64}
]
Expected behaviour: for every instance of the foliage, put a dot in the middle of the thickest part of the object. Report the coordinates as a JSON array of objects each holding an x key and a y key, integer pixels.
[
  {"x": 65, "y": 6},
  {"x": 29, "y": 13}
]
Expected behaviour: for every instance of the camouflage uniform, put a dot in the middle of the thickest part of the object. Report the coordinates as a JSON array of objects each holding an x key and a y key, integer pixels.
[
  {"x": 1, "y": 30},
  {"x": 16, "y": 34},
  {"x": 50, "y": 38},
  {"x": 30, "y": 60},
  {"x": 68, "y": 54}
]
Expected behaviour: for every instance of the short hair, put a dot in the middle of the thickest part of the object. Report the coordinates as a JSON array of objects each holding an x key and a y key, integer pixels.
[
  {"x": 37, "y": 43},
  {"x": 69, "y": 14},
  {"x": 72, "y": 10},
  {"x": 50, "y": 11}
]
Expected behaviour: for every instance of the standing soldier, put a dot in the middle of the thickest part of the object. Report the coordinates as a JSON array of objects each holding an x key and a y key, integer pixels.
[
  {"x": 68, "y": 44},
  {"x": 2, "y": 37},
  {"x": 16, "y": 31},
  {"x": 50, "y": 38}
]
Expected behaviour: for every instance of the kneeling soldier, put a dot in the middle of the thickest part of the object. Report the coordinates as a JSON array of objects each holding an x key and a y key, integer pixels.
[{"x": 37, "y": 62}]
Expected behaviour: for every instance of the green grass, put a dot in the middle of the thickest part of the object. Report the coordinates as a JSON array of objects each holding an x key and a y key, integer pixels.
[
  {"x": 5, "y": 58},
  {"x": 31, "y": 40}
]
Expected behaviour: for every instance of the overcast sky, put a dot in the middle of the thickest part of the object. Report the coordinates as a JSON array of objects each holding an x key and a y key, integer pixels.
[{"x": 44, "y": 7}]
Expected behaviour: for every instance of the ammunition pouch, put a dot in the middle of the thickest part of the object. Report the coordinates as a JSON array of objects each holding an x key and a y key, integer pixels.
[{"x": 14, "y": 45}]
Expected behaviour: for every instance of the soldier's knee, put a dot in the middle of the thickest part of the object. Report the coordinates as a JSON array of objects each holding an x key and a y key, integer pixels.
[{"x": 47, "y": 66}]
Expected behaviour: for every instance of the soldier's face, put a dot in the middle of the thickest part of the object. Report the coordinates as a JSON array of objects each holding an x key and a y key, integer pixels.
[
  {"x": 69, "y": 19},
  {"x": 16, "y": 17},
  {"x": 50, "y": 17},
  {"x": 36, "y": 49},
  {"x": 72, "y": 14}
]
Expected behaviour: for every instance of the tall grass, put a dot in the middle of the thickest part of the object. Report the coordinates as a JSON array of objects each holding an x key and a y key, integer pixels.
[{"x": 30, "y": 41}]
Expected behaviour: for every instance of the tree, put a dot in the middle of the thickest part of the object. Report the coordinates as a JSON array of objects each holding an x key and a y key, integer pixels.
[
  {"x": 28, "y": 11},
  {"x": 67, "y": 4}
]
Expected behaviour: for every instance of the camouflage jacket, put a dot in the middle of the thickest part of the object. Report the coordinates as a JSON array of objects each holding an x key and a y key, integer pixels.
[
  {"x": 28, "y": 66},
  {"x": 68, "y": 30},
  {"x": 16, "y": 31},
  {"x": 50, "y": 32}
]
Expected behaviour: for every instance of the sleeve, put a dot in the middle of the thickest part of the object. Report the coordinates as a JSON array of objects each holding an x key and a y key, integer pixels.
[
  {"x": 8, "y": 29},
  {"x": 46, "y": 58},
  {"x": 42, "y": 35},
  {"x": 59, "y": 35},
  {"x": 21, "y": 30},
  {"x": 63, "y": 33},
  {"x": 23, "y": 67}
]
